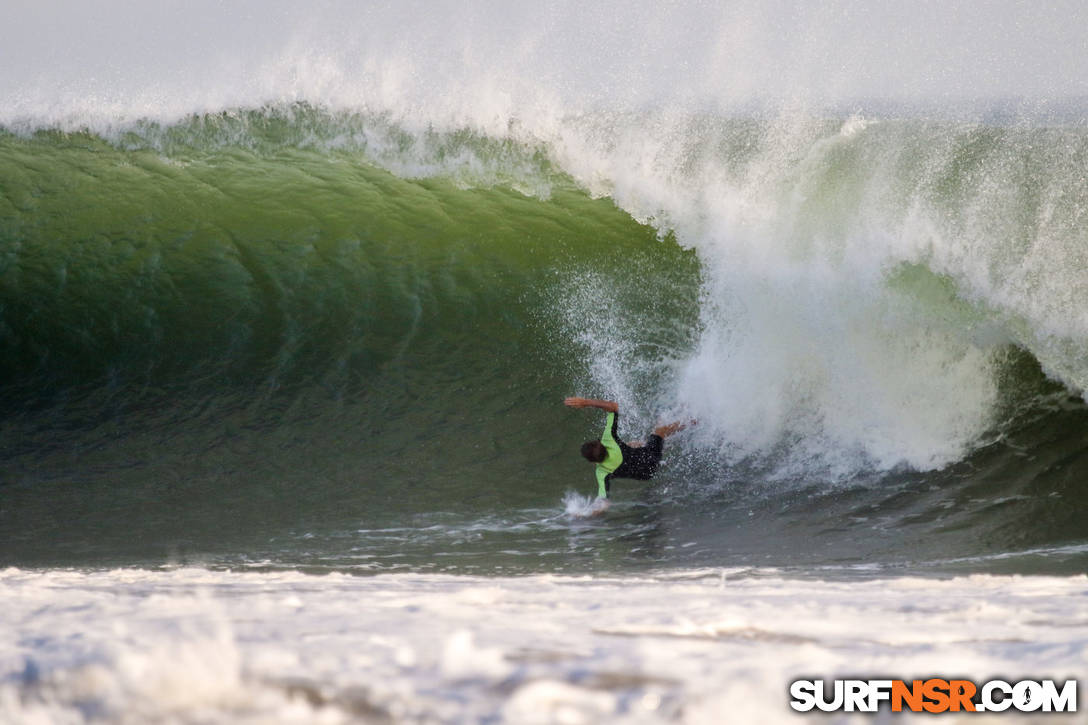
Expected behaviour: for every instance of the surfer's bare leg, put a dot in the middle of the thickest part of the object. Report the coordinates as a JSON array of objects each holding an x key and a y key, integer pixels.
[{"x": 598, "y": 507}]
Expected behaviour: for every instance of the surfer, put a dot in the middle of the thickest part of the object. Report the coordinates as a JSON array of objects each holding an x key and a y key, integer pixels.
[{"x": 616, "y": 459}]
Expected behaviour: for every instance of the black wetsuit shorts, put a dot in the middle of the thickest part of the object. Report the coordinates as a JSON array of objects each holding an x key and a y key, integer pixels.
[{"x": 640, "y": 463}]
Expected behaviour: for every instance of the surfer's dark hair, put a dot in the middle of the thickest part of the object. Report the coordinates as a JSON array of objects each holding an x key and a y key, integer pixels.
[{"x": 594, "y": 451}]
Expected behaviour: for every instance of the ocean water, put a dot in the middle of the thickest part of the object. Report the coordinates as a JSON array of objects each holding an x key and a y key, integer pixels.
[{"x": 290, "y": 299}]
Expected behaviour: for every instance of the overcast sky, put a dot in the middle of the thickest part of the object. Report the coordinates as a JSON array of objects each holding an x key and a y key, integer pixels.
[{"x": 200, "y": 53}]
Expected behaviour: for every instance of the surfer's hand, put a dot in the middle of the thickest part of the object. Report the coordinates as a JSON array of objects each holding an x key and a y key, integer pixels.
[{"x": 575, "y": 402}]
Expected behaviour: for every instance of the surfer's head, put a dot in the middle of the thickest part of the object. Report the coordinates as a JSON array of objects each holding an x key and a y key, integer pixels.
[{"x": 594, "y": 451}]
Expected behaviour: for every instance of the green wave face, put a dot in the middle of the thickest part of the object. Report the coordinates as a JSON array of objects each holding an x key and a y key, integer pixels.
[
  {"x": 270, "y": 268},
  {"x": 235, "y": 338}
]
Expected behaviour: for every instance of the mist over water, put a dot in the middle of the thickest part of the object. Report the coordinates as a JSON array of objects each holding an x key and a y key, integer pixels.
[{"x": 489, "y": 62}]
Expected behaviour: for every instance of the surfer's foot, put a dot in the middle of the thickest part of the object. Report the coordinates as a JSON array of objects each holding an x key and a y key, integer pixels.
[{"x": 667, "y": 430}]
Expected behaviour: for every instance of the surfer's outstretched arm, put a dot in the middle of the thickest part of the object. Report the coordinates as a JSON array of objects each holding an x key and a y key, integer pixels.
[
  {"x": 609, "y": 406},
  {"x": 667, "y": 430}
]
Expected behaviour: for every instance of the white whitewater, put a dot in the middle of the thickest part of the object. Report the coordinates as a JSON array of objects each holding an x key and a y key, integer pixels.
[{"x": 196, "y": 646}]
